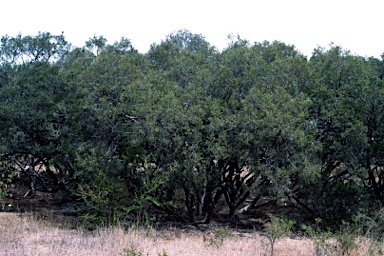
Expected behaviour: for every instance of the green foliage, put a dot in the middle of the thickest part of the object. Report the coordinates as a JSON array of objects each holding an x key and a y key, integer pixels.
[
  {"x": 276, "y": 229},
  {"x": 102, "y": 198},
  {"x": 133, "y": 252},
  {"x": 376, "y": 248},
  {"x": 33, "y": 112},
  {"x": 219, "y": 236},
  {"x": 346, "y": 239},
  {"x": 321, "y": 239},
  {"x": 143, "y": 200},
  {"x": 342, "y": 242},
  {"x": 192, "y": 131},
  {"x": 5, "y": 180},
  {"x": 44, "y": 47},
  {"x": 3, "y": 189},
  {"x": 371, "y": 224}
]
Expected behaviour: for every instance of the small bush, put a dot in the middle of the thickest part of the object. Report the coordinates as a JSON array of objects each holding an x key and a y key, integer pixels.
[
  {"x": 5, "y": 180},
  {"x": 220, "y": 235},
  {"x": 375, "y": 249},
  {"x": 277, "y": 229},
  {"x": 346, "y": 239},
  {"x": 133, "y": 252},
  {"x": 321, "y": 238},
  {"x": 371, "y": 224},
  {"x": 143, "y": 200},
  {"x": 342, "y": 242},
  {"x": 101, "y": 205}
]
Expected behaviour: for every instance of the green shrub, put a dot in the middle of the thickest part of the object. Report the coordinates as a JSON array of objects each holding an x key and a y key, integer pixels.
[
  {"x": 143, "y": 200},
  {"x": 276, "y": 229},
  {"x": 320, "y": 238},
  {"x": 5, "y": 180},
  {"x": 375, "y": 249},
  {"x": 325, "y": 242},
  {"x": 346, "y": 239},
  {"x": 133, "y": 252},
  {"x": 371, "y": 224},
  {"x": 219, "y": 236},
  {"x": 101, "y": 202}
]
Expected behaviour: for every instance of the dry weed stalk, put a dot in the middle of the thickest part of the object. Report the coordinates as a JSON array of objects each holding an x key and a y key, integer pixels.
[{"x": 25, "y": 235}]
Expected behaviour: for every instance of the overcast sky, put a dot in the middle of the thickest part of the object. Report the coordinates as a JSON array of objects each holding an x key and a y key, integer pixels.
[{"x": 355, "y": 25}]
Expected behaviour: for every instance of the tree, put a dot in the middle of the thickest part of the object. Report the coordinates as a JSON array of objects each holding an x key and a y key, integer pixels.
[
  {"x": 33, "y": 125},
  {"x": 342, "y": 87},
  {"x": 275, "y": 50},
  {"x": 32, "y": 112},
  {"x": 192, "y": 131},
  {"x": 41, "y": 48},
  {"x": 96, "y": 44}
]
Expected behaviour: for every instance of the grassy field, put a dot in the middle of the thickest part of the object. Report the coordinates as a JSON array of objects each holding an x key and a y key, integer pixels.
[{"x": 23, "y": 234}]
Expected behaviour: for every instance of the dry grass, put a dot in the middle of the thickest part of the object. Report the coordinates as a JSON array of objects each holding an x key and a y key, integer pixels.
[{"x": 24, "y": 235}]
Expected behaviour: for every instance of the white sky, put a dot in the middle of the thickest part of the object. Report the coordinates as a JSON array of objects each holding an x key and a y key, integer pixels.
[{"x": 356, "y": 25}]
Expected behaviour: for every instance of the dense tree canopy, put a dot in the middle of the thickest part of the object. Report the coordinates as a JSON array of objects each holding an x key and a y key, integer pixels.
[{"x": 191, "y": 131}]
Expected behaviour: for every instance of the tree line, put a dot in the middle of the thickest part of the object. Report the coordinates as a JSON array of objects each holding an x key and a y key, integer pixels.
[{"x": 190, "y": 131}]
